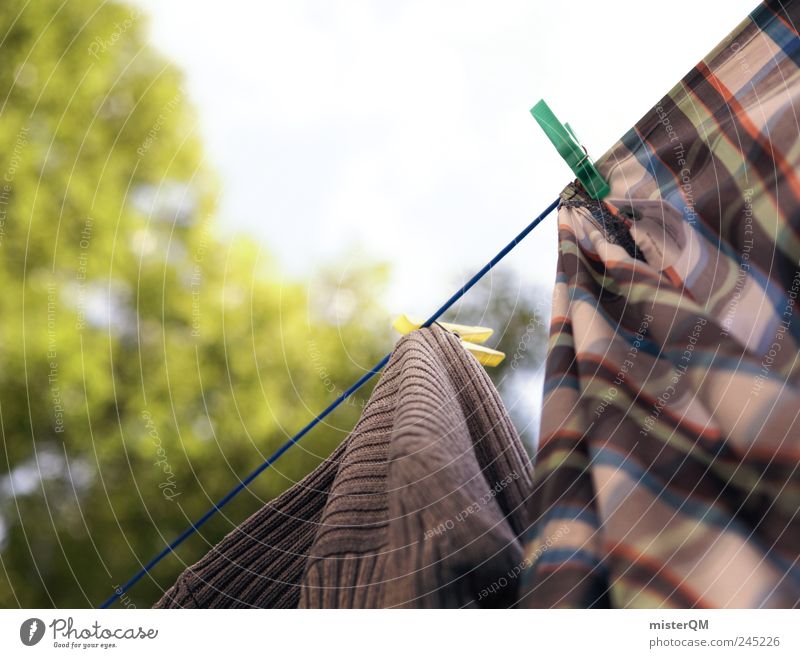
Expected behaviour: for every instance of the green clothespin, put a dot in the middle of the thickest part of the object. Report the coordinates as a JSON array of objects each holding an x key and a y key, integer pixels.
[{"x": 567, "y": 144}]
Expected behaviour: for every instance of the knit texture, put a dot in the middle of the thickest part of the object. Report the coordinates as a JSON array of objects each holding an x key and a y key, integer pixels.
[{"x": 422, "y": 506}]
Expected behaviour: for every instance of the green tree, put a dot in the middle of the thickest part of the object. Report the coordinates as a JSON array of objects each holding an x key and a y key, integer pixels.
[{"x": 145, "y": 363}]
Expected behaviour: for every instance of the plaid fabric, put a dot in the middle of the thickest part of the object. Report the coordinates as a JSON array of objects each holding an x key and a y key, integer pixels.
[{"x": 667, "y": 473}]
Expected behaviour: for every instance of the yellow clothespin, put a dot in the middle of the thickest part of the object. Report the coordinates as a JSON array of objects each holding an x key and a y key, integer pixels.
[{"x": 471, "y": 338}]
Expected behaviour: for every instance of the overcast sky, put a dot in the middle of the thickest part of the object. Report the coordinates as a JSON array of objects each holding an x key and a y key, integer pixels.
[{"x": 404, "y": 127}]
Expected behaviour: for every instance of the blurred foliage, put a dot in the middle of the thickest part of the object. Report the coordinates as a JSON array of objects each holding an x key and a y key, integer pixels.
[{"x": 145, "y": 363}]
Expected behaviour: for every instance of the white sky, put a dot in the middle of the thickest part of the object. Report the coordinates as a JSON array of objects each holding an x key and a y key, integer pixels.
[{"x": 404, "y": 127}]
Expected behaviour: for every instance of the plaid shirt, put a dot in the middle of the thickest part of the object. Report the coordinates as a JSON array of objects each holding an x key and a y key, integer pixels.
[{"x": 667, "y": 473}]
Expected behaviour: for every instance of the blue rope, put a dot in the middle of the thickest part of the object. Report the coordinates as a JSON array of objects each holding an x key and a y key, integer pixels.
[{"x": 341, "y": 398}]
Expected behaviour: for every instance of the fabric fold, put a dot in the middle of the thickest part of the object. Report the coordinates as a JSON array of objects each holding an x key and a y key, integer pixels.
[
  {"x": 667, "y": 473},
  {"x": 422, "y": 505}
]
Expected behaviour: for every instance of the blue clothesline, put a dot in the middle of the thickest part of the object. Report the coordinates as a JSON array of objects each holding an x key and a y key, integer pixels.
[{"x": 342, "y": 397}]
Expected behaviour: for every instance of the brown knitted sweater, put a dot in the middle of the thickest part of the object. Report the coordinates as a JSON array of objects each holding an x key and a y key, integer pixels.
[{"x": 422, "y": 505}]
